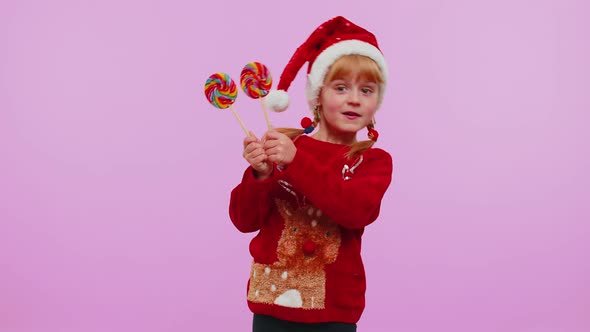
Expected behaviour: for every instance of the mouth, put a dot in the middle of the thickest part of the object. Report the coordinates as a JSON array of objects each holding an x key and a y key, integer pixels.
[{"x": 351, "y": 115}]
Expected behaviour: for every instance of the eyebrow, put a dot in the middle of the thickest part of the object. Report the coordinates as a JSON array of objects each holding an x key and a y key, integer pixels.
[{"x": 343, "y": 80}]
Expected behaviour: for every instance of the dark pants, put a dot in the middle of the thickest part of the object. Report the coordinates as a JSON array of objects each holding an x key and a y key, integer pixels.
[{"x": 264, "y": 323}]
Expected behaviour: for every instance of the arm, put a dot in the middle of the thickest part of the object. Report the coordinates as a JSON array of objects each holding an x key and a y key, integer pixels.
[
  {"x": 250, "y": 202},
  {"x": 352, "y": 204}
]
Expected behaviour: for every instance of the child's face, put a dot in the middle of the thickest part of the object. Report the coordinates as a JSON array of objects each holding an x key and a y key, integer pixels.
[{"x": 348, "y": 105}]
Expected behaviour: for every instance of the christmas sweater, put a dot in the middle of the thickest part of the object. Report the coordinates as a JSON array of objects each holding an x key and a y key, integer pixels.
[{"x": 310, "y": 218}]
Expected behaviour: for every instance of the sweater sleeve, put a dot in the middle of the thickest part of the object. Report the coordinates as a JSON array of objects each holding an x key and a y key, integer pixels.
[
  {"x": 354, "y": 203},
  {"x": 250, "y": 202}
]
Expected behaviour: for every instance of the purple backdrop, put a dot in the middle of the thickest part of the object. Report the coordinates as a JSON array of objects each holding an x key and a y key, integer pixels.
[{"x": 115, "y": 172}]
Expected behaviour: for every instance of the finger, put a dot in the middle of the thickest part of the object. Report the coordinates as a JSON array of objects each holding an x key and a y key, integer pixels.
[
  {"x": 268, "y": 136},
  {"x": 276, "y": 158},
  {"x": 273, "y": 151},
  {"x": 253, "y": 146},
  {"x": 259, "y": 160},
  {"x": 270, "y": 144},
  {"x": 251, "y": 137},
  {"x": 248, "y": 140},
  {"x": 271, "y": 134},
  {"x": 272, "y": 131},
  {"x": 249, "y": 149},
  {"x": 257, "y": 152}
]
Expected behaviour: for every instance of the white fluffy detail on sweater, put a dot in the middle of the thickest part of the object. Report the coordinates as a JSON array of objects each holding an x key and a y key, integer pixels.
[
  {"x": 315, "y": 78},
  {"x": 291, "y": 298},
  {"x": 277, "y": 100}
]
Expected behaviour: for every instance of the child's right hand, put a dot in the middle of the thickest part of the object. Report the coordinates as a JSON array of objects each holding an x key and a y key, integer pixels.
[{"x": 255, "y": 156}]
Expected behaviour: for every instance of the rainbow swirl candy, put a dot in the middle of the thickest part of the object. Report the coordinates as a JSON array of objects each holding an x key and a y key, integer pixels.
[
  {"x": 220, "y": 90},
  {"x": 255, "y": 80}
]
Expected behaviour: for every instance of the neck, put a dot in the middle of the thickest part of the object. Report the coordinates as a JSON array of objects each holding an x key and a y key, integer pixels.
[{"x": 344, "y": 138}]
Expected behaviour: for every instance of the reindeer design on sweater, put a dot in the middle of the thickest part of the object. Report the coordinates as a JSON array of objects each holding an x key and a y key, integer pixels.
[{"x": 309, "y": 242}]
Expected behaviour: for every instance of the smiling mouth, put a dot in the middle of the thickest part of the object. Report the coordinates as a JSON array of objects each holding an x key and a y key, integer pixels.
[{"x": 351, "y": 115}]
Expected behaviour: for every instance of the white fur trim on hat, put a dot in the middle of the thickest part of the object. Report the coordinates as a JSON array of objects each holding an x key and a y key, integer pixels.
[
  {"x": 319, "y": 68},
  {"x": 277, "y": 100}
]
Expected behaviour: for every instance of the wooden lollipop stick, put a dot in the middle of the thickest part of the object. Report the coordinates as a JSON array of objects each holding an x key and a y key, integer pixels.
[
  {"x": 239, "y": 120},
  {"x": 265, "y": 114}
]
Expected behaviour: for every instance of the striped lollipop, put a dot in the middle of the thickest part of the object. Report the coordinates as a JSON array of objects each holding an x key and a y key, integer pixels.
[
  {"x": 256, "y": 82},
  {"x": 221, "y": 92}
]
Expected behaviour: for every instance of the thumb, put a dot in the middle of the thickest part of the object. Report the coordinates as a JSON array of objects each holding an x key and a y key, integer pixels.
[{"x": 271, "y": 134}]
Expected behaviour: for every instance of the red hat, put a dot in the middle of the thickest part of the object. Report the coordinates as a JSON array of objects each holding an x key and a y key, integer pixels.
[{"x": 330, "y": 41}]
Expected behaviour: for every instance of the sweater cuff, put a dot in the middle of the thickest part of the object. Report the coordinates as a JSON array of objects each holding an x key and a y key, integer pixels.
[{"x": 250, "y": 178}]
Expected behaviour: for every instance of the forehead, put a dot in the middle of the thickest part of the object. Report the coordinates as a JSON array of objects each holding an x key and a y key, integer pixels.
[
  {"x": 353, "y": 74},
  {"x": 358, "y": 78}
]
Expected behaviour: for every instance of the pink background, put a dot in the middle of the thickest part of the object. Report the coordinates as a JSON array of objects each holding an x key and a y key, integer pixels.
[{"x": 115, "y": 172}]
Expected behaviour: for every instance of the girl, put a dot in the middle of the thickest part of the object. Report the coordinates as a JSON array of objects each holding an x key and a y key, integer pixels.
[{"x": 309, "y": 198}]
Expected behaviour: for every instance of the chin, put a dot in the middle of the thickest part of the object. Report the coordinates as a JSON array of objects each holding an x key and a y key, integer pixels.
[{"x": 348, "y": 130}]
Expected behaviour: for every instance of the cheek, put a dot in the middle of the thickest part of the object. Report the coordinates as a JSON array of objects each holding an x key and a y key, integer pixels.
[
  {"x": 371, "y": 106},
  {"x": 330, "y": 100},
  {"x": 330, "y": 251},
  {"x": 331, "y": 107},
  {"x": 372, "y": 100},
  {"x": 290, "y": 247}
]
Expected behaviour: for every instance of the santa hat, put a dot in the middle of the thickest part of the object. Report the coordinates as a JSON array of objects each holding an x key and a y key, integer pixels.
[{"x": 330, "y": 41}]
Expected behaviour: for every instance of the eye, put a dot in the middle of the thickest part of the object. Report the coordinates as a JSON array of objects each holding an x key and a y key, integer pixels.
[
  {"x": 367, "y": 91},
  {"x": 340, "y": 88}
]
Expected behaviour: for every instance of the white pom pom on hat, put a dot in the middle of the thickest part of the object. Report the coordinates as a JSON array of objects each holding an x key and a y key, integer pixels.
[
  {"x": 277, "y": 100},
  {"x": 330, "y": 41}
]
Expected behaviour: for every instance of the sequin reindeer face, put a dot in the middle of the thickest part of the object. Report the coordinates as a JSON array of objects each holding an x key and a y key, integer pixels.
[
  {"x": 297, "y": 279},
  {"x": 310, "y": 240}
]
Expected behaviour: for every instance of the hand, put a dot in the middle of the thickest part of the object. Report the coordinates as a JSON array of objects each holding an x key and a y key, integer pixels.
[
  {"x": 279, "y": 148},
  {"x": 255, "y": 156}
]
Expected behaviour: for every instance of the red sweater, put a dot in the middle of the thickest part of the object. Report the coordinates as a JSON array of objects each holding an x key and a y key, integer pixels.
[{"x": 310, "y": 218}]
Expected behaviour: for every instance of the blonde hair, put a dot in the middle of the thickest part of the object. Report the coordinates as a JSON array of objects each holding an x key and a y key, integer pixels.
[{"x": 344, "y": 67}]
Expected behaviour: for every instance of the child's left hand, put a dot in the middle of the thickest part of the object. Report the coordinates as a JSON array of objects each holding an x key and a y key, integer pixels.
[{"x": 279, "y": 148}]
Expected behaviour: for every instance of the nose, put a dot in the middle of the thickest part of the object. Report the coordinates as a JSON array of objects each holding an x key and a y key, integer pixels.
[
  {"x": 354, "y": 97},
  {"x": 309, "y": 247}
]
